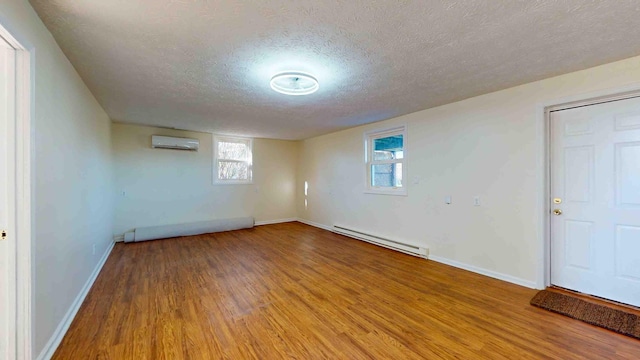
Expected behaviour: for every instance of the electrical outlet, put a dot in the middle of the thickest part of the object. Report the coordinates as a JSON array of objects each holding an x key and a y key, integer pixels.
[
  {"x": 476, "y": 201},
  {"x": 93, "y": 249}
]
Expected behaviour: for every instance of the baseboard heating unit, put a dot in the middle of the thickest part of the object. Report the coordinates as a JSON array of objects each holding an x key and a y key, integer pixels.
[
  {"x": 197, "y": 228},
  {"x": 411, "y": 249}
]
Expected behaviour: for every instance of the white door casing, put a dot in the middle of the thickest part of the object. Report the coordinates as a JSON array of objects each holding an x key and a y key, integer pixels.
[
  {"x": 7, "y": 218},
  {"x": 595, "y": 171},
  {"x": 16, "y": 140}
]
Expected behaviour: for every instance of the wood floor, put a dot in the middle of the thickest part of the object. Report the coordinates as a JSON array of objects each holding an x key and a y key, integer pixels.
[{"x": 297, "y": 292}]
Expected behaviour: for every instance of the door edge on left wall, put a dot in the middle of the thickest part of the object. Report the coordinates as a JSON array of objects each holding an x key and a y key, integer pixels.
[{"x": 21, "y": 157}]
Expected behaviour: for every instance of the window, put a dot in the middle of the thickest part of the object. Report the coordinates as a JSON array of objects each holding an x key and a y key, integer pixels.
[
  {"x": 232, "y": 160},
  {"x": 385, "y": 160}
]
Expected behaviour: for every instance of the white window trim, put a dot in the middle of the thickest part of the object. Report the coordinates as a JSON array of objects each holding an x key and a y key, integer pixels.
[
  {"x": 216, "y": 140},
  {"x": 369, "y": 136}
]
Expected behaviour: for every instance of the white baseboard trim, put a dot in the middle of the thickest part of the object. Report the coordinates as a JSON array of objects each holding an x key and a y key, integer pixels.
[
  {"x": 472, "y": 268},
  {"x": 277, "y": 221},
  {"x": 457, "y": 264},
  {"x": 61, "y": 330},
  {"x": 315, "y": 224},
  {"x": 485, "y": 272}
]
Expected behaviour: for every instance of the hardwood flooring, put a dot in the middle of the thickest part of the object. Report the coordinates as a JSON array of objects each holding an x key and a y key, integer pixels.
[{"x": 296, "y": 292}]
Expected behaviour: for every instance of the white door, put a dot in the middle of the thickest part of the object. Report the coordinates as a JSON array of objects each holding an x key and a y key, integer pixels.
[
  {"x": 595, "y": 173},
  {"x": 7, "y": 263}
]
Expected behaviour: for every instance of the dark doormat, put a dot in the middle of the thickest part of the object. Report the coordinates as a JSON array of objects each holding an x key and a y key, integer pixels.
[{"x": 620, "y": 321}]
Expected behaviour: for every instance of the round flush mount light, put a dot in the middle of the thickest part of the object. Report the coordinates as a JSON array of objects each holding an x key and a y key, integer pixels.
[{"x": 294, "y": 83}]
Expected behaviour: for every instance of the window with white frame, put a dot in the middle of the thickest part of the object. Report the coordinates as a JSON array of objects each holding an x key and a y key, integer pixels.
[
  {"x": 385, "y": 161},
  {"x": 232, "y": 160}
]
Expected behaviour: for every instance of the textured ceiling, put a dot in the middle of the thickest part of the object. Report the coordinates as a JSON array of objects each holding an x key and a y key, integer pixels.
[{"x": 206, "y": 65}]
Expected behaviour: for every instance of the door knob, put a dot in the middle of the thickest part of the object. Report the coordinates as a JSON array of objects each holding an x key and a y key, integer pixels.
[{"x": 557, "y": 212}]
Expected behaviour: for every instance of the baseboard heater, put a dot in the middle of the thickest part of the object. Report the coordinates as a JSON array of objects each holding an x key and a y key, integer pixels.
[
  {"x": 197, "y": 228},
  {"x": 411, "y": 249}
]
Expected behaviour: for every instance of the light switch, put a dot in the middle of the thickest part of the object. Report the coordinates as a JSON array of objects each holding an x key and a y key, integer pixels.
[{"x": 476, "y": 201}]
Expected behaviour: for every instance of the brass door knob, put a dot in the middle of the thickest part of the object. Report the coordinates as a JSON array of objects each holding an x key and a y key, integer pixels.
[{"x": 557, "y": 212}]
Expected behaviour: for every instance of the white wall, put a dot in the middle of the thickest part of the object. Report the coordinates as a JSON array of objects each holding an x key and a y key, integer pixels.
[
  {"x": 491, "y": 146},
  {"x": 171, "y": 187},
  {"x": 73, "y": 209}
]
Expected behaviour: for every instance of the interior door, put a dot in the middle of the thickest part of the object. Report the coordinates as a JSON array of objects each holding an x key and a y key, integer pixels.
[
  {"x": 7, "y": 283},
  {"x": 595, "y": 185}
]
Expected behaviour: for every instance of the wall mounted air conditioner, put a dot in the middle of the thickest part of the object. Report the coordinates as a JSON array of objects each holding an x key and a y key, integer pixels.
[{"x": 168, "y": 142}]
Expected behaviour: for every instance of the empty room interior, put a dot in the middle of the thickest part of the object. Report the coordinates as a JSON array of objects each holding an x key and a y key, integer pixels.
[{"x": 320, "y": 179}]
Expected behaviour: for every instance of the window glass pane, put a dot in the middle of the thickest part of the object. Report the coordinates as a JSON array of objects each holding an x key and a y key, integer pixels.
[
  {"x": 388, "y": 148},
  {"x": 386, "y": 175},
  {"x": 232, "y": 151},
  {"x": 397, "y": 174},
  {"x": 231, "y": 170}
]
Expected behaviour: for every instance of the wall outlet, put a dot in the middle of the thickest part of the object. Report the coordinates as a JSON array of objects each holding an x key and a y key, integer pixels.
[
  {"x": 93, "y": 249},
  {"x": 447, "y": 199},
  {"x": 476, "y": 201}
]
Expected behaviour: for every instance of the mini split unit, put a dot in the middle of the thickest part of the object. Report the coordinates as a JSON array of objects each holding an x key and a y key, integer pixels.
[{"x": 175, "y": 143}]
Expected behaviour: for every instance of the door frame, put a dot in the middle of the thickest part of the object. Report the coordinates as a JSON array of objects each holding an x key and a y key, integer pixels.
[
  {"x": 21, "y": 160},
  {"x": 545, "y": 164}
]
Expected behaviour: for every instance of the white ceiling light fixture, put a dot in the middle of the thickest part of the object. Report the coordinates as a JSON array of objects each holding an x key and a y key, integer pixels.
[{"x": 294, "y": 83}]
